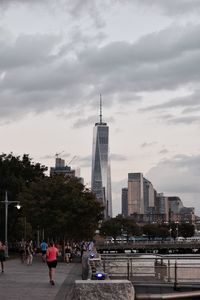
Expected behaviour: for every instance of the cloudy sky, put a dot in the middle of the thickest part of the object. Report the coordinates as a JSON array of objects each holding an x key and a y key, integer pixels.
[{"x": 143, "y": 56}]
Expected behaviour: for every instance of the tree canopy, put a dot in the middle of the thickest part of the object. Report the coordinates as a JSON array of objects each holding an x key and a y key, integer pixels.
[
  {"x": 15, "y": 173},
  {"x": 156, "y": 230},
  {"x": 59, "y": 206},
  {"x": 116, "y": 226},
  {"x": 63, "y": 208}
]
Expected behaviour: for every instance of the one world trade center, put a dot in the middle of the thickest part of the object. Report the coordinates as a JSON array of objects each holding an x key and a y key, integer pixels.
[{"x": 101, "y": 174}]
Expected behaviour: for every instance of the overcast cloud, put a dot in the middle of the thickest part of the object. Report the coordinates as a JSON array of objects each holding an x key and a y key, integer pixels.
[
  {"x": 178, "y": 175},
  {"x": 34, "y": 66},
  {"x": 169, "y": 7},
  {"x": 173, "y": 7}
]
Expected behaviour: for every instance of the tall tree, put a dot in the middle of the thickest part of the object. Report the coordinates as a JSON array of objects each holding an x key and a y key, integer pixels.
[
  {"x": 15, "y": 172},
  {"x": 63, "y": 208},
  {"x": 111, "y": 227},
  {"x": 130, "y": 228}
]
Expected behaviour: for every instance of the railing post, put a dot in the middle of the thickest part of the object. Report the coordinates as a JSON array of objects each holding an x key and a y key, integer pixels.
[
  {"x": 104, "y": 265},
  {"x": 169, "y": 273},
  {"x": 128, "y": 269},
  {"x": 131, "y": 268},
  {"x": 175, "y": 276}
]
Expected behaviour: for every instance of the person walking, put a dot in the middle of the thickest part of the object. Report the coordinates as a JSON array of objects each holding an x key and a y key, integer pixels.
[
  {"x": 44, "y": 247},
  {"x": 2, "y": 255},
  {"x": 68, "y": 253},
  {"x": 22, "y": 251},
  {"x": 29, "y": 253},
  {"x": 52, "y": 258}
]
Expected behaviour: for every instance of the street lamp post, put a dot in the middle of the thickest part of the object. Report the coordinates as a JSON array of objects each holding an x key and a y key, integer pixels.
[
  {"x": 6, "y": 203},
  {"x": 177, "y": 230},
  {"x": 25, "y": 229},
  {"x": 170, "y": 233}
]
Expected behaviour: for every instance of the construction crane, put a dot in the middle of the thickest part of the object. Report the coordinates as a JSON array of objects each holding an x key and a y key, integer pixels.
[
  {"x": 73, "y": 158},
  {"x": 57, "y": 154}
]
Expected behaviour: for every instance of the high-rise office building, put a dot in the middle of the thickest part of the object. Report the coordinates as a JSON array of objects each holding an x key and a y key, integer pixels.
[
  {"x": 162, "y": 206},
  {"x": 61, "y": 169},
  {"x": 101, "y": 174},
  {"x": 125, "y": 202},
  {"x": 149, "y": 196},
  {"x": 175, "y": 204},
  {"x": 135, "y": 193}
]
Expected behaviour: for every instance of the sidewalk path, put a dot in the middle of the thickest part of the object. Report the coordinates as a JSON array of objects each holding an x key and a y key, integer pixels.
[{"x": 22, "y": 282}]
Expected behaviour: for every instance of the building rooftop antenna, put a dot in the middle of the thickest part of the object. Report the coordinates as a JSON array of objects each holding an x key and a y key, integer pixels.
[{"x": 100, "y": 110}]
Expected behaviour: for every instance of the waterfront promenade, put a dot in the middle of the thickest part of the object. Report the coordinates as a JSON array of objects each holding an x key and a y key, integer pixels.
[{"x": 20, "y": 281}]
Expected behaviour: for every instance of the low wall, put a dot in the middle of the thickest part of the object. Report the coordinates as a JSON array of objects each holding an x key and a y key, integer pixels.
[
  {"x": 103, "y": 290},
  {"x": 87, "y": 289}
]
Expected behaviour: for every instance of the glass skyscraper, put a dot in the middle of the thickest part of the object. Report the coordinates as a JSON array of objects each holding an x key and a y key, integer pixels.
[{"x": 101, "y": 174}]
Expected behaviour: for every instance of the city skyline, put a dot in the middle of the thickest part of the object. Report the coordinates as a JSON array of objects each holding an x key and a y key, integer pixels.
[
  {"x": 57, "y": 56},
  {"x": 142, "y": 202}
]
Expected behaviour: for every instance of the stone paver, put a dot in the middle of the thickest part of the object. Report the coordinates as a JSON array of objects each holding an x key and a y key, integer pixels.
[{"x": 22, "y": 282}]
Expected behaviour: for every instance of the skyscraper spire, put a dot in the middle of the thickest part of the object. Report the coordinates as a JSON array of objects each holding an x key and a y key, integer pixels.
[{"x": 100, "y": 110}]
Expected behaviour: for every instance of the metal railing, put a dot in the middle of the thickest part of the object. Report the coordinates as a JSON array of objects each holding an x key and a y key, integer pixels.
[
  {"x": 174, "y": 270},
  {"x": 171, "y": 296},
  {"x": 153, "y": 245}
]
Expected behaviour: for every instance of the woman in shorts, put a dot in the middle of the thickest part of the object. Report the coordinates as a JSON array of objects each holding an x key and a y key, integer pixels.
[
  {"x": 68, "y": 253},
  {"x": 52, "y": 257}
]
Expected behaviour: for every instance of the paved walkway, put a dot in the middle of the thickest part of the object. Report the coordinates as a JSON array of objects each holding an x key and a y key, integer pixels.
[{"x": 22, "y": 282}]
